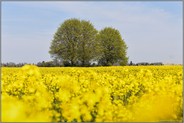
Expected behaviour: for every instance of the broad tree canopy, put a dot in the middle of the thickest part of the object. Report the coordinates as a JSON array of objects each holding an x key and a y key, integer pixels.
[
  {"x": 77, "y": 42},
  {"x": 113, "y": 47},
  {"x": 74, "y": 42}
]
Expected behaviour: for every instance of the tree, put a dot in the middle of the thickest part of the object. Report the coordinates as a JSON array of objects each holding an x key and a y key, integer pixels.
[
  {"x": 131, "y": 63},
  {"x": 65, "y": 42},
  {"x": 88, "y": 47},
  {"x": 113, "y": 47},
  {"x": 74, "y": 42}
]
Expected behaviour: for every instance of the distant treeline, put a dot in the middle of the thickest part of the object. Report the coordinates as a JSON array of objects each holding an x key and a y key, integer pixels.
[
  {"x": 39, "y": 64},
  {"x": 145, "y": 63},
  {"x": 12, "y": 64},
  {"x": 63, "y": 64},
  {"x": 50, "y": 64}
]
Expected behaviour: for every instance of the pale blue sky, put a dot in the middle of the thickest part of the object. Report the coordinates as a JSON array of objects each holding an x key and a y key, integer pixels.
[{"x": 152, "y": 30}]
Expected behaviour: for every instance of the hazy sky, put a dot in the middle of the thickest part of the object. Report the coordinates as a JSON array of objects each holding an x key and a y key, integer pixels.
[{"x": 152, "y": 30}]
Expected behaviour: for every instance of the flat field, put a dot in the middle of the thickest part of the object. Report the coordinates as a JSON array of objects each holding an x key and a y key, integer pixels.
[{"x": 96, "y": 94}]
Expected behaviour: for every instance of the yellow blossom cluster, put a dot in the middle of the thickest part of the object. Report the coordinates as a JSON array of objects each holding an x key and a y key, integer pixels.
[{"x": 94, "y": 94}]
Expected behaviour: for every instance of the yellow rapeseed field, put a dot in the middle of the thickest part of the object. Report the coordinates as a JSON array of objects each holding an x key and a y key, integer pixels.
[{"x": 96, "y": 94}]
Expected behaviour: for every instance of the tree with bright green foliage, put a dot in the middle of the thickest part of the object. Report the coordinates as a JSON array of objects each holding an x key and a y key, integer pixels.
[
  {"x": 65, "y": 42},
  {"x": 113, "y": 47},
  {"x": 74, "y": 42},
  {"x": 77, "y": 42},
  {"x": 88, "y": 48}
]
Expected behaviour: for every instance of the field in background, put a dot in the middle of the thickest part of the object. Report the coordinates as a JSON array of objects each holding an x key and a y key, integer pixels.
[{"x": 119, "y": 94}]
